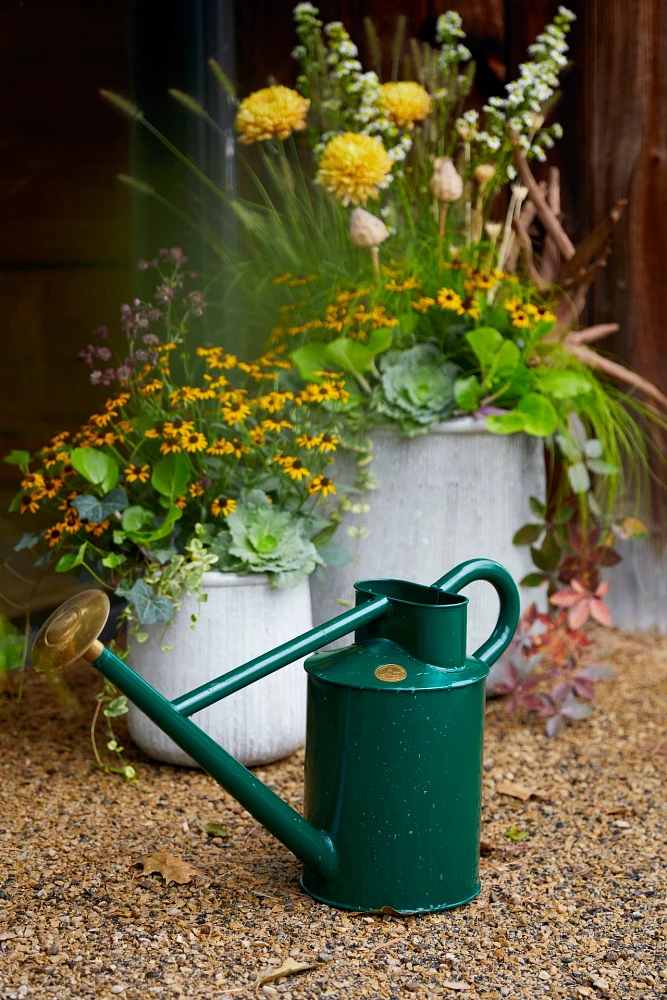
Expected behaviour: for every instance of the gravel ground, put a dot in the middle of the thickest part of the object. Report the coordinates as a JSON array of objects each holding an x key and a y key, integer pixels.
[{"x": 576, "y": 909}]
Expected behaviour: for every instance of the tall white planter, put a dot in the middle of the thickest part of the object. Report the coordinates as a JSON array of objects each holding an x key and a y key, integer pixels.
[
  {"x": 456, "y": 493},
  {"x": 242, "y": 618}
]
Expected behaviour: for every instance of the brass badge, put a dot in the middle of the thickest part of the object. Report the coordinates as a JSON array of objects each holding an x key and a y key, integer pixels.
[{"x": 391, "y": 672}]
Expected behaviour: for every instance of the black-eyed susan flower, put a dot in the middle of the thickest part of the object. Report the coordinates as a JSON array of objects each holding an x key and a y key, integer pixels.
[
  {"x": 177, "y": 427},
  {"x": 423, "y": 303},
  {"x": 295, "y": 469},
  {"x": 402, "y": 286},
  {"x": 540, "y": 313},
  {"x": 29, "y": 503},
  {"x": 33, "y": 481},
  {"x": 469, "y": 307},
  {"x": 271, "y": 113},
  {"x": 328, "y": 442},
  {"x": 97, "y": 528},
  {"x": 102, "y": 419},
  {"x": 257, "y": 436},
  {"x": 54, "y": 534},
  {"x": 274, "y": 402},
  {"x": 170, "y": 446},
  {"x": 521, "y": 319},
  {"x": 513, "y": 302},
  {"x": 196, "y": 490},
  {"x": 449, "y": 299},
  {"x": 235, "y": 412},
  {"x": 308, "y": 441},
  {"x": 353, "y": 166},
  {"x": 150, "y": 388},
  {"x": 181, "y": 502},
  {"x": 194, "y": 442},
  {"x": 51, "y": 487},
  {"x": 223, "y": 506},
  {"x": 276, "y": 425},
  {"x": 321, "y": 484},
  {"x": 136, "y": 473}
]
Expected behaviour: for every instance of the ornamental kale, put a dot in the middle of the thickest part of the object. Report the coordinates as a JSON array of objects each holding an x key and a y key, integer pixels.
[
  {"x": 416, "y": 388},
  {"x": 263, "y": 539}
]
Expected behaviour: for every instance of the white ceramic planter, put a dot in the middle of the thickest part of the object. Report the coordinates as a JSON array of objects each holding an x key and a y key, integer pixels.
[
  {"x": 242, "y": 618},
  {"x": 456, "y": 493}
]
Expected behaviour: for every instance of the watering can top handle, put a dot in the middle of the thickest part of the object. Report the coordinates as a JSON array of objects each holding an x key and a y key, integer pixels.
[{"x": 510, "y": 607}]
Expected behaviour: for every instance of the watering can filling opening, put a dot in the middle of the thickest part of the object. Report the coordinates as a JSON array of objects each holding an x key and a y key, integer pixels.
[{"x": 415, "y": 594}]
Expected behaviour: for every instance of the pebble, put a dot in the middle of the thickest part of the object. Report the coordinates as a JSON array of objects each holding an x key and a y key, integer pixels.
[
  {"x": 117, "y": 989},
  {"x": 543, "y": 974}
]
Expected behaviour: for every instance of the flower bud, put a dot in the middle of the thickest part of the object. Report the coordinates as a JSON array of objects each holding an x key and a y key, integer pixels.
[
  {"x": 366, "y": 230},
  {"x": 483, "y": 173},
  {"x": 446, "y": 183}
]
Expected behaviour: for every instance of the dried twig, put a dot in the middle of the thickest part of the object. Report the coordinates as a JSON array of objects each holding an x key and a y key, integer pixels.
[
  {"x": 547, "y": 217},
  {"x": 592, "y": 333},
  {"x": 551, "y": 257},
  {"x": 527, "y": 248},
  {"x": 618, "y": 371},
  {"x": 592, "y": 245}
]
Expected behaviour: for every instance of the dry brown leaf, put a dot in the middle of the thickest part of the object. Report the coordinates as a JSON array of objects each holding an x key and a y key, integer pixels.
[
  {"x": 486, "y": 846},
  {"x": 288, "y": 968},
  {"x": 171, "y": 868},
  {"x": 515, "y": 790}
]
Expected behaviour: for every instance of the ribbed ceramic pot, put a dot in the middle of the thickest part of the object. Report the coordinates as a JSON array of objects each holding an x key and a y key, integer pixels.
[
  {"x": 242, "y": 618},
  {"x": 453, "y": 494}
]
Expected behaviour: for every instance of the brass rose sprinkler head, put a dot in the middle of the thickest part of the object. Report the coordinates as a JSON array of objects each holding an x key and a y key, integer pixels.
[{"x": 71, "y": 632}]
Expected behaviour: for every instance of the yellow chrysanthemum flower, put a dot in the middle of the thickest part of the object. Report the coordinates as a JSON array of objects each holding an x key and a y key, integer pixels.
[
  {"x": 352, "y": 166},
  {"x": 273, "y": 112},
  {"x": 405, "y": 102}
]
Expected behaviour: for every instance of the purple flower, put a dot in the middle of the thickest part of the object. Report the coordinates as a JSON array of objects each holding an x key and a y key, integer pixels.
[
  {"x": 101, "y": 332},
  {"x": 96, "y": 377},
  {"x": 103, "y": 353},
  {"x": 124, "y": 373},
  {"x": 178, "y": 256},
  {"x": 196, "y": 303},
  {"x": 150, "y": 339},
  {"x": 86, "y": 356},
  {"x": 165, "y": 294},
  {"x": 147, "y": 265}
]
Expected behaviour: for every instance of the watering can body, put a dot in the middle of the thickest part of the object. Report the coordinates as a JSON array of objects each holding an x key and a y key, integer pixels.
[{"x": 394, "y": 741}]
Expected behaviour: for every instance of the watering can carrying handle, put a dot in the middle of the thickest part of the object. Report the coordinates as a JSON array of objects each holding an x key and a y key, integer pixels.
[{"x": 510, "y": 608}]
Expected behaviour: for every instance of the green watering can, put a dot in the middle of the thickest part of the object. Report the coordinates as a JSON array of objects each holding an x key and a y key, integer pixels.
[{"x": 394, "y": 738}]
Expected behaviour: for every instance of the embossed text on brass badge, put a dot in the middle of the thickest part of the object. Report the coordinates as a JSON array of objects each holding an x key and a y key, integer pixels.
[{"x": 391, "y": 672}]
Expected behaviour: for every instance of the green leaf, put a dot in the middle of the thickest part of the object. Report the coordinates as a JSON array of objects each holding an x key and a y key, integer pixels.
[
  {"x": 506, "y": 423},
  {"x": 214, "y": 829},
  {"x": 467, "y": 392},
  {"x": 545, "y": 558},
  {"x": 26, "y": 541},
  {"x": 171, "y": 475},
  {"x": 17, "y": 457},
  {"x": 528, "y": 534},
  {"x": 150, "y": 607},
  {"x": 350, "y": 355},
  {"x": 539, "y": 415},
  {"x": 96, "y": 466},
  {"x": 579, "y": 479},
  {"x": 309, "y": 359},
  {"x": 601, "y": 468},
  {"x": 515, "y": 834},
  {"x": 71, "y": 559},
  {"x": 134, "y": 518},
  {"x": 407, "y": 322},
  {"x": 144, "y": 537},
  {"x": 119, "y": 537},
  {"x": 89, "y": 508},
  {"x": 15, "y": 504},
  {"x": 324, "y": 536},
  {"x": 335, "y": 554},
  {"x": 116, "y": 707},
  {"x": 113, "y": 560},
  {"x": 485, "y": 342},
  {"x": 537, "y": 507},
  {"x": 505, "y": 362},
  {"x": 564, "y": 384},
  {"x": 533, "y": 580},
  {"x": 141, "y": 637},
  {"x": 380, "y": 340}
]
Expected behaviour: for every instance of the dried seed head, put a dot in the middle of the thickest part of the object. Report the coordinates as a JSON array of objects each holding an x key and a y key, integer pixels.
[
  {"x": 366, "y": 230},
  {"x": 483, "y": 173},
  {"x": 520, "y": 192},
  {"x": 493, "y": 230},
  {"x": 446, "y": 183}
]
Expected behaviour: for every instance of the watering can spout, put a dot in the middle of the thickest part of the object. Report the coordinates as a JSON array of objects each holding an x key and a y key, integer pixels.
[{"x": 72, "y": 632}]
